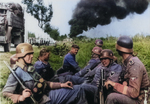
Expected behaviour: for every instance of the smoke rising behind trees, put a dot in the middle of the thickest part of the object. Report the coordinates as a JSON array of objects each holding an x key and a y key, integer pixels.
[{"x": 90, "y": 13}]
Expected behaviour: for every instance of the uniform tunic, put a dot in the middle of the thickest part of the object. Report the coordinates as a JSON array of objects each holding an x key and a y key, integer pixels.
[
  {"x": 45, "y": 70},
  {"x": 135, "y": 81},
  {"x": 70, "y": 63},
  {"x": 112, "y": 73},
  {"x": 90, "y": 66}
]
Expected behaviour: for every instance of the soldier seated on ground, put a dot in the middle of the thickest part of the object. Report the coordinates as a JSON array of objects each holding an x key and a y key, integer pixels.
[
  {"x": 42, "y": 66},
  {"x": 44, "y": 92},
  {"x": 111, "y": 71},
  {"x": 135, "y": 79},
  {"x": 70, "y": 66}
]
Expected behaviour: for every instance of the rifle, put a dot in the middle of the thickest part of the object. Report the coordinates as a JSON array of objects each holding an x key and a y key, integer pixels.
[
  {"x": 14, "y": 74},
  {"x": 101, "y": 95}
]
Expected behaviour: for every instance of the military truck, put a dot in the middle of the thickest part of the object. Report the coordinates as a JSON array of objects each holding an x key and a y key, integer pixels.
[{"x": 11, "y": 25}]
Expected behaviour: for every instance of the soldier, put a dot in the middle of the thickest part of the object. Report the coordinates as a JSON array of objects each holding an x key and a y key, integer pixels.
[
  {"x": 93, "y": 62},
  {"x": 44, "y": 92},
  {"x": 70, "y": 66},
  {"x": 42, "y": 66},
  {"x": 112, "y": 70},
  {"x": 135, "y": 76},
  {"x": 107, "y": 69},
  {"x": 99, "y": 43}
]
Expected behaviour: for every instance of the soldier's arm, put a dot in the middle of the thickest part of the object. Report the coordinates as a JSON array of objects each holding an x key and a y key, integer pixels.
[
  {"x": 133, "y": 88},
  {"x": 57, "y": 85},
  {"x": 97, "y": 77},
  {"x": 10, "y": 88}
]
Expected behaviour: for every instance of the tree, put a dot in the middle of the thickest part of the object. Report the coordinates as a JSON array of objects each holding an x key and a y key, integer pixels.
[
  {"x": 32, "y": 35},
  {"x": 37, "y": 9},
  {"x": 43, "y": 14}
]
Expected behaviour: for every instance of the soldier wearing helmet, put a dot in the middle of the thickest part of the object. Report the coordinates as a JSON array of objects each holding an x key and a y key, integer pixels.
[
  {"x": 94, "y": 61},
  {"x": 99, "y": 43},
  {"x": 44, "y": 92},
  {"x": 112, "y": 69},
  {"x": 135, "y": 78}
]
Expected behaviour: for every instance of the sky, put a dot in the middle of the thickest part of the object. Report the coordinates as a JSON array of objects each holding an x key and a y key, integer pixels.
[{"x": 62, "y": 13}]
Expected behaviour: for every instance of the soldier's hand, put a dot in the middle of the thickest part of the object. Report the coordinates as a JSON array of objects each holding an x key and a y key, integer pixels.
[
  {"x": 108, "y": 82},
  {"x": 68, "y": 84},
  {"x": 26, "y": 93}
]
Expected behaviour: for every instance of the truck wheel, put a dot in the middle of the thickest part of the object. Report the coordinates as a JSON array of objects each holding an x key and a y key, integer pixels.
[{"x": 7, "y": 47}]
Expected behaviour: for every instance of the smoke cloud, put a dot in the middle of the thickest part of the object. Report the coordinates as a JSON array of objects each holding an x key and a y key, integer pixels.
[{"x": 90, "y": 13}]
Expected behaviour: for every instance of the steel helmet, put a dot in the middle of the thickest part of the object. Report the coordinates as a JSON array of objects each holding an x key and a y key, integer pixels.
[
  {"x": 125, "y": 44},
  {"x": 107, "y": 53},
  {"x": 97, "y": 50},
  {"x": 23, "y": 48},
  {"x": 99, "y": 42}
]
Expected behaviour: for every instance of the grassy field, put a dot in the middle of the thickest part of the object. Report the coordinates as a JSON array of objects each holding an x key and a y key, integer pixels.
[{"x": 141, "y": 48}]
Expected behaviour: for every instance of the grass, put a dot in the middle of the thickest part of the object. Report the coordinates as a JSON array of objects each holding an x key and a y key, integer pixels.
[{"x": 141, "y": 48}]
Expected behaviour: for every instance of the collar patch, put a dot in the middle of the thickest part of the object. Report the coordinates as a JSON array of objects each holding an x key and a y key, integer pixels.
[{"x": 131, "y": 62}]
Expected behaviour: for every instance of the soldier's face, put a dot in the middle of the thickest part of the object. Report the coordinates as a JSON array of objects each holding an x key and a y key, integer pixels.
[
  {"x": 46, "y": 56},
  {"x": 74, "y": 50},
  {"x": 28, "y": 58},
  {"x": 105, "y": 62}
]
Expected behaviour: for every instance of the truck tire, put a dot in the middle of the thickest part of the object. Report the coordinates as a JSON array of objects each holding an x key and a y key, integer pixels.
[{"x": 7, "y": 47}]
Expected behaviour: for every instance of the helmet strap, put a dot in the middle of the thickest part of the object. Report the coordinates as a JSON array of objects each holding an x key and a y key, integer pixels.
[{"x": 26, "y": 62}]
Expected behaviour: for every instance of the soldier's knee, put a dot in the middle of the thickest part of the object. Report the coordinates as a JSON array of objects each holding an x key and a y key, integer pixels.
[{"x": 112, "y": 98}]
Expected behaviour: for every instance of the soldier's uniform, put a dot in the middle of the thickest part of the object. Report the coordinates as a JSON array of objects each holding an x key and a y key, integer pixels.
[
  {"x": 90, "y": 66},
  {"x": 131, "y": 91},
  {"x": 112, "y": 73},
  {"x": 137, "y": 81},
  {"x": 45, "y": 70}
]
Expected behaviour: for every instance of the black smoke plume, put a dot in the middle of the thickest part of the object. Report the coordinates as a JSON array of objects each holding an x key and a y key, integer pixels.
[{"x": 90, "y": 13}]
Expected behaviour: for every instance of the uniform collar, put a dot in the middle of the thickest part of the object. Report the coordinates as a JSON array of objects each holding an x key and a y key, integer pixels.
[
  {"x": 22, "y": 66},
  {"x": 43, "y": 62},
  {"x": 127, "y": 60}
]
